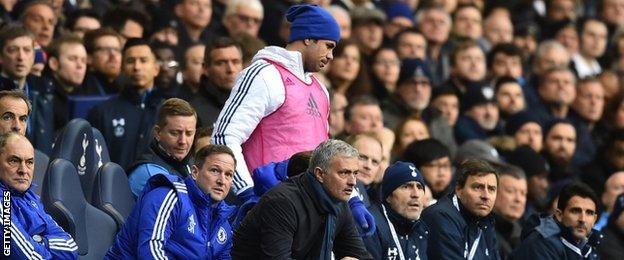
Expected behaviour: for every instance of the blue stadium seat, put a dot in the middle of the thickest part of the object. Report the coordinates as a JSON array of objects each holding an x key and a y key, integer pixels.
[
  {"x": 93, "y": 230},
  {"x": 112, "y": 192},
  {"x": 41, "y": 165},
  {"x": 76, "y": 145},
  {"x": 79, "y": 106}
]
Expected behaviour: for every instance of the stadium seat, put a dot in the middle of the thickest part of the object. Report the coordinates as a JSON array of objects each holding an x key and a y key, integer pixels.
[
  {"x": 79, "y": 106},
  {"x": 112, "y": 192},
  {"x": 76, "y": 145},
  {"x": 93, "y": 230},
  {"x": 41, "y": 165}
]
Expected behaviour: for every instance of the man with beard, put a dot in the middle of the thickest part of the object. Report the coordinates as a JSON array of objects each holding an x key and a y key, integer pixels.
[
  {"x": 568, "y": 233},
  {"x": 412, "y": 94},
  {"x": 461, "y": 225},
  {"x": 559, "y": 147},
  {"x": 480, "y": 118},
  {"x": 400, "y": 232}
]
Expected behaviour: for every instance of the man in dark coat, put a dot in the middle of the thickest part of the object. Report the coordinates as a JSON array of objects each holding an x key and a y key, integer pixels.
[
  {"x": 306, "y": 217},
  {"x": 613, "y": 242},
  {"x": 126, "y": 120},
  {"x": 400, "y": 233},
  {"x": 462, "y": 224},
  {"x": 568, "y": 233}
]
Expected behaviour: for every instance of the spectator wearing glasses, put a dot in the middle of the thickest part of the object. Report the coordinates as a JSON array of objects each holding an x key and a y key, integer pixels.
[
  {"x": 243, "y": 16},
  {"x": 104, "y": 60}
]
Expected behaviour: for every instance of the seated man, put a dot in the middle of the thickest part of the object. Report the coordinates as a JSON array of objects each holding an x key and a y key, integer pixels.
[
  {"x": 461, "y": 224},
  {"x": 169, "y": 152},
  {"x": 34, "y": 234},
  {"x": 400, "y": 233},
  {"x": 568, "y": 233},
  {"x": 182, "y": 219},
  {"x": 306, "y": 216}
]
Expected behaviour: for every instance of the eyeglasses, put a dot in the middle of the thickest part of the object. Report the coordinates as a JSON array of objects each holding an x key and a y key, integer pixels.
[{"x": 248, "y": 19}]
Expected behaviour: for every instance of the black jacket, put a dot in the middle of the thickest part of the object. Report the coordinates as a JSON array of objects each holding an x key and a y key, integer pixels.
[
  {"x": 156, "y": 154},
  {"x": 412, "y": 236},
  {"x": 126, "y": 122},
  {"x": 289, "y": 223},
  {"x": 453, "y": 231},
  {"x": 208, "y": 102},
  {"x": 612, "y": 246},
  {"x": 507, "y": 235},
  {"x": 40, "y": 92}
]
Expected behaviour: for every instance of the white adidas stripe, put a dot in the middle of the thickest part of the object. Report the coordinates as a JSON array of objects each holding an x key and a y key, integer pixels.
[
  {"x": 26, "y": 247},
  {"x": 156, "y": 241}
]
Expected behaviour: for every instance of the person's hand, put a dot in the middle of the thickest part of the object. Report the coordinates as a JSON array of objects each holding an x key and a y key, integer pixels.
[{"x": 364, "y": 220}]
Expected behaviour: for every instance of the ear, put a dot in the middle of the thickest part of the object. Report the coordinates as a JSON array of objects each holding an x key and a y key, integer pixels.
[
  {"x": 157, "y": 132},
  {"x": 194, "y": 172},
  {"x": 318, "y": 173},
  {"x": 558, "y": 214},
  {"x": 53, "y": 62}
]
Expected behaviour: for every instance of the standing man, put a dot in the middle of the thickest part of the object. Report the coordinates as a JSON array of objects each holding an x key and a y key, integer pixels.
[
  {"x": 568, "y": 233},
  {"x": 306, "y": 216},
  {"x": 34, "y": 234},
  {"x": 277, "y": 106},
  {"x": 179, "y": 218},
  {"x": 400, "y": 233},
  {"x": 461, "y": 225}
]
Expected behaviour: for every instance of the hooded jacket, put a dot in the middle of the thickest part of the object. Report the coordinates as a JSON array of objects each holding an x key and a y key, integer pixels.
[
  {"x": 550, "y": 240},
  {"x": 259, "y": 91},
  {"x": 174, "y": 218}
]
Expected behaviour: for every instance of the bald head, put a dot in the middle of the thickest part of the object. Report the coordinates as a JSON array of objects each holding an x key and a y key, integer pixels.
[
  {"x": 16, "y": 161},
  {"x": 614, "y": 186}
]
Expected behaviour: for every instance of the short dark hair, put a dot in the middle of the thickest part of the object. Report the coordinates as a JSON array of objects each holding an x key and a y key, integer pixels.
[
  {"x": 118, "y": 17},
  {"x": 409, "y": 30},
  {"x": 18, "y": 94},
  {"x": 173, "y": 107},
  {"x": 465, "y": 6},
  {"x": 424, "y": 151},
  {"x": 576, "y": 189},
  {"x": 11, "y": 32},
  {"x": 363, "y": 100},
  {"x": 91, "y": 37},
  {"x": 473, "y": 167},
  {"x": 203, "y": 132},
  {"x": 298, "y": 163},
  {"x": 209, "y": 150},
  {"x": 33, "y": 3},
  {"x": 75, "y": 15},
  {"x": 54, "y": 48},
  {"x": 219, "y": 43},
  {"x": 184, "y": 63},
  {"x": 133, "y": 42},
  {"x": 503, "y": 80},
  {"x": 509, "y": 49}
]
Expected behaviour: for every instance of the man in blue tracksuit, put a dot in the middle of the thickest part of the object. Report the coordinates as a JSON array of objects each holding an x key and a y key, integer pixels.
[
  {"x": 568, "y": 233},
  {"x": 461, "y": 225},
  {"x": 182, "y": 219},
  {"x": 33, "y": 233},
  {"x": 400, "y": 232}
]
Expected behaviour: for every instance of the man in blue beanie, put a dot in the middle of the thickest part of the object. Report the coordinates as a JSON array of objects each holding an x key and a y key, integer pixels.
[
  {"x": 400, "y": 233},
  {"x": 277, "y": 106}
]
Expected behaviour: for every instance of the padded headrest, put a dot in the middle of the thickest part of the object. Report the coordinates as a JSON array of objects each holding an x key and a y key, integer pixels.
[
  {"x": 112, "y": 192},
  {"x": 101, "y": 150}
]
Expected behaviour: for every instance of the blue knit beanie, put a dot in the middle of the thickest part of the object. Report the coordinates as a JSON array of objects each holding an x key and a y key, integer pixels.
[
  {"x": 311, "y": 22},
  {"x": 398, "y": 174}
]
